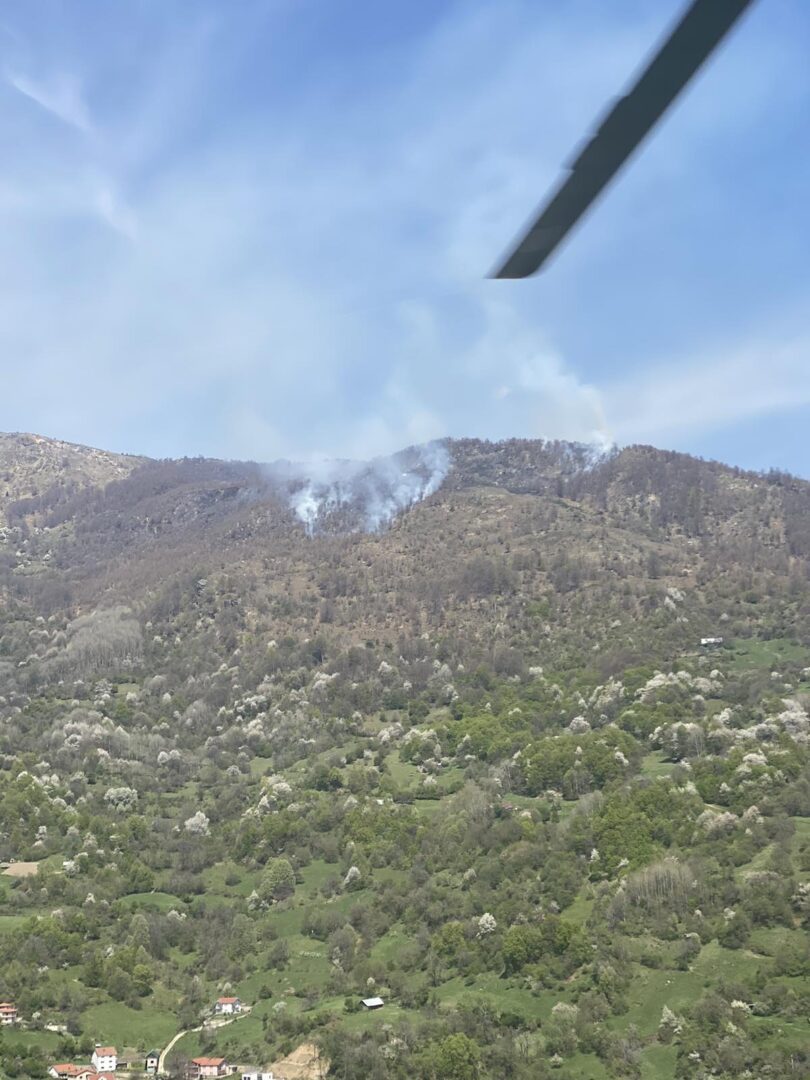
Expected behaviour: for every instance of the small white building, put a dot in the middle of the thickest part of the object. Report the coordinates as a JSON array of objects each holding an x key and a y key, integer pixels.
[
  {"x": 104, "y": 1059},
  {"x": 258, "y": 1076},
  {"x": 373, "y": 1002},
  {"x": 227, "y": 1006},
  {"x": 711, "y": 642},
  {"x": 209, "y": 1066},
  {"x": 8, "y": 1013},
  {"x": 152, "y": 1062}
]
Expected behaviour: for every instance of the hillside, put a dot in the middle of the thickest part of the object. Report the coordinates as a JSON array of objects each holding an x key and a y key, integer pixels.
[
  {"x": 437, "y": 727},
  {"x": 33, "y": 466}
]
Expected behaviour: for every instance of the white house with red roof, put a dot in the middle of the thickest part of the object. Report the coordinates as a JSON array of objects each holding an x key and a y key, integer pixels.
[
  {"x": 210, "y": 1066},
  {"x": 8, "y": 1013},
  {"x": 67, "y": 1071},
  {"x": 104, "y": 1059},
  {"x": 227, "y": 1006}
]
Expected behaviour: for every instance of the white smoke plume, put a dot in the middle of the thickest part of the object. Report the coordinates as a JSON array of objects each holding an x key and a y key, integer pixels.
[{"x": 372, "y": 492}]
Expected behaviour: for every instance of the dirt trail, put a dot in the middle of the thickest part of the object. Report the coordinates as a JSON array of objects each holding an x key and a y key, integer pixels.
[
  {"x": 217, "y": 1022},
  {"x": 162, "y": 1059}
]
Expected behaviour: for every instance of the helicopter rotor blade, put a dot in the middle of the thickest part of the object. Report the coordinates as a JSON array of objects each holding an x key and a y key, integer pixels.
[{"x": 700, "y": 30}]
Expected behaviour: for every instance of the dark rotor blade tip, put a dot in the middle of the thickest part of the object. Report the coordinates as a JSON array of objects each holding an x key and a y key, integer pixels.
[{"x": 702, "y": 27}]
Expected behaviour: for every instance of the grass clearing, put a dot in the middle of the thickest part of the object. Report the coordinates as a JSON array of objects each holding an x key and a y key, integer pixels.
[
  {"x": 581, "y": 906},
  {"x": 388, "y": 947},
  {"x": 402, "y": 772},
  {"x": 781, "y": 1033},
  {"x": 9, "y": 923},
  {"x": 260, "y": 766},
  {"x": 769, "y": 939},
  {"x": 229, "y": 879},
  {"x": 501, "y": 994},
  {"x": 758, "y": 862},
  {"x": 654, "y": 765},
  {"x": 315, "y": 876},
  {"x": 369, "y": 1020},
  {"x": 154, "y": 1023},
  {"x": 153, "y": 901},
  {"x": 44, "y": 1040},
  {"x": 658, "y": 1062},
  {"x": 587, "y": 1067},
  {"x": 652, "y": 989},
  {"x": 749, "y": 653}
]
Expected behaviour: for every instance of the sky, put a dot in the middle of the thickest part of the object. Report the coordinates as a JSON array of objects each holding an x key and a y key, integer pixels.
[{"x": 263, "y": 228}]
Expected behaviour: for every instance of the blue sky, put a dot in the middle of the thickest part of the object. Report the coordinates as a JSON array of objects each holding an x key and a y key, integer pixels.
[{"x": 262, "y": 228}]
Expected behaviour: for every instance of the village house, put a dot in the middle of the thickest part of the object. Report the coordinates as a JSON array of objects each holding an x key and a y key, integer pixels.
[
  {"x": 152, "y": 1062},
  {"x": 104, "y": 1059},
  {"x": 373, "y": 1002},
  {"x": 67, "y": 1071},
  {"x": 209, "y": 1066},
  {"x": 227, "y": 1006},
  {"x": 8, "y": 1013}
]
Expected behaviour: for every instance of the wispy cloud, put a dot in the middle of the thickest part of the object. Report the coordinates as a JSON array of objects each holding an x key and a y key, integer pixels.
[
  {"x": 724, "y": 386},
  {"x": 86, "y": 184},
  {"x": 61, "y": 96}
]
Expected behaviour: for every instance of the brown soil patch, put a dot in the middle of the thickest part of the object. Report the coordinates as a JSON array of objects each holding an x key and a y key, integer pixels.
[
  {"x": 304, "y": 1063},
  {"x": 22, "y": 869}
]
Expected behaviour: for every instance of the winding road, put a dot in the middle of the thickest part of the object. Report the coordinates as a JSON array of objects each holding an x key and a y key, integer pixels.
[
  {"x": 218, "y": 1023},
  {"x": 164, "y": 1053}
]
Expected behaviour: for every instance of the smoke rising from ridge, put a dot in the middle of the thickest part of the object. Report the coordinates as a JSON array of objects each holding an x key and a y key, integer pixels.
[{"x": 371, "y": 493}]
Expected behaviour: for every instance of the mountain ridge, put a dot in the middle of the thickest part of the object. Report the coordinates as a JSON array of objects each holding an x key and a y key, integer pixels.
[
  {"x": 518, "y": 511},
  {"x": 510, "y": 462}
]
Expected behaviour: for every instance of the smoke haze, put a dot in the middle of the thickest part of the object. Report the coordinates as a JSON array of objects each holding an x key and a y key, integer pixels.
[{"x": 371, "y": 493}]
